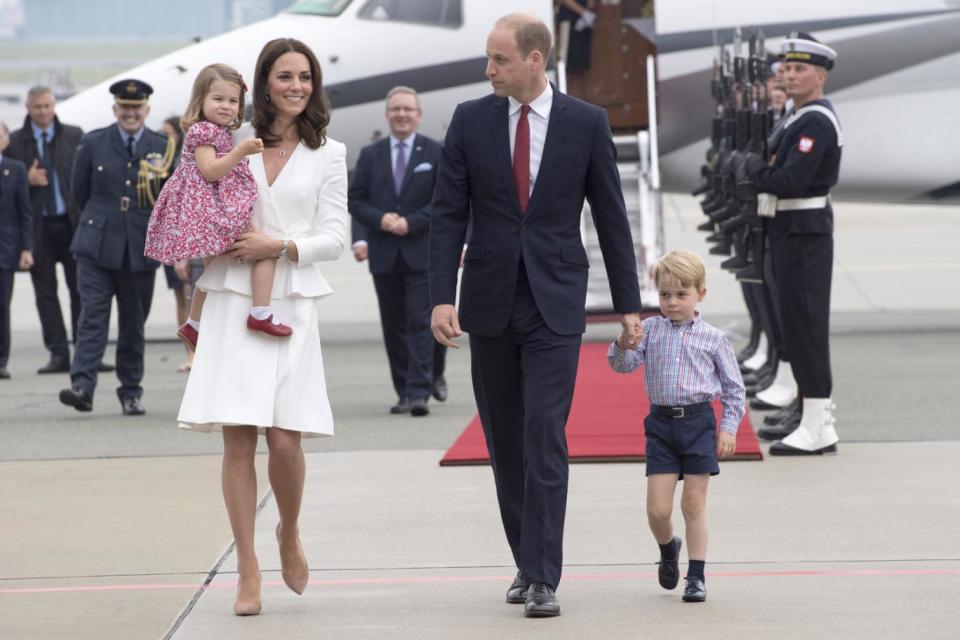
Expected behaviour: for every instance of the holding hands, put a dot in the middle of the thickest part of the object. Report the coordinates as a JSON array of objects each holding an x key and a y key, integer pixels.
[{"x": 631, "y": 333}]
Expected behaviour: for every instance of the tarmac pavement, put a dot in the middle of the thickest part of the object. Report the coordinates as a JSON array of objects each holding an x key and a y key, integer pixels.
[{"x": 111, "y": 526}]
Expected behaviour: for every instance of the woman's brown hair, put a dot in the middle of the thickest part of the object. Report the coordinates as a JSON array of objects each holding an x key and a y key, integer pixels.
[
  {"x": 201, "y": 87},
  {"x": 313, "y": 120}
]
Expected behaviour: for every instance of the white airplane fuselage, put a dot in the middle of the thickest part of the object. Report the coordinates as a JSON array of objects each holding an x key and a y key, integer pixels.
[{"x": 896, "y": 86}]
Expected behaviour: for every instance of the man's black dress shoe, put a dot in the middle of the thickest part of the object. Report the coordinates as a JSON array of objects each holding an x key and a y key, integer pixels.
[
  {"x": 55, "y": 366},
  {"x": 132, "y": 407},
  {"x": 695, "y": 590},
  {"x": 103, "y": 367},
  {"x": 419, "y": 408},
  {"x": 4, "y": 374},
  {"x": 669, "y": 570},
  {"x": 402, "y": 406},
  {"x": 440, "y": 389},
  {"x": 781, "y": 430},
  {"x": 77, "y": 398},
  {"x": 517, "y": 593},
  {"x": 541, "y": 601}
]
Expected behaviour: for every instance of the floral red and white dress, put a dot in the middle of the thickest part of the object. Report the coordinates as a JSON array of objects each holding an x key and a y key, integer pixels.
[{"x": 194, "y": 218}]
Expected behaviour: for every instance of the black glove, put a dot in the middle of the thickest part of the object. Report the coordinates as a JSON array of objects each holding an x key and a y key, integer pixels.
[{"x": 752, "y": 160}]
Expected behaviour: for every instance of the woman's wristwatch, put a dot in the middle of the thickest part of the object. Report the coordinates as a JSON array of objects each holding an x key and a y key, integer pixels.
[{"x": 284, "y": 250}]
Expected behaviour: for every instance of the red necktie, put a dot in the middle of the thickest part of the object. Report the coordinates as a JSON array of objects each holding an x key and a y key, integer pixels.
[{"x": 521, "y": 158}]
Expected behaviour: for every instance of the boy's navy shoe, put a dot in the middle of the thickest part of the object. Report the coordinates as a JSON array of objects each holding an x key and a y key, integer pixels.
[
  {"x": 669, "y": 569},
  {"x": 541, "y": 601},
  {"x": 517, "y": 593},
  {"x": 695, "y": 590}
]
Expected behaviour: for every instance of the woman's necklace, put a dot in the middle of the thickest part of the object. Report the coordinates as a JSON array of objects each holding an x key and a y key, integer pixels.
[{"x": 283, "y": 141}]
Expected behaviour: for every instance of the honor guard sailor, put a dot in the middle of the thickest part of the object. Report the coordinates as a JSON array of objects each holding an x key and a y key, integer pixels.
[
  {"x": 117, "y": 173},
  {"x": 804, "y": 167}
]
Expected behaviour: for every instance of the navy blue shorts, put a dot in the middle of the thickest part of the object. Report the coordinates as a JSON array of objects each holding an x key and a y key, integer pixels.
[{"x": 682, "y": 445}]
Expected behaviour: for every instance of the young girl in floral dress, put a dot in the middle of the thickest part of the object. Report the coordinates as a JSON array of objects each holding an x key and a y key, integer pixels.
[{"x": 208, "y": 201}]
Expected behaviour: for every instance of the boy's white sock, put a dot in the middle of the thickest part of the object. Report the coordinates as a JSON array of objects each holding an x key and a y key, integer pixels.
[{"x": 194, "y": 323}]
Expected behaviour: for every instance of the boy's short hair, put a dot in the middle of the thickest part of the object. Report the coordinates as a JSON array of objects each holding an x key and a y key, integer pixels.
[{"x": 685, "y": 266}]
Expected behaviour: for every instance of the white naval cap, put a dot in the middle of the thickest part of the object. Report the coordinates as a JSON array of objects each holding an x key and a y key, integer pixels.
[{"x": 803, "y": 47}]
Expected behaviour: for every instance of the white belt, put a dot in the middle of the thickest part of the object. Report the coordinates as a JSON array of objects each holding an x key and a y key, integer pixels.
[{"x": 795, "y": 204}]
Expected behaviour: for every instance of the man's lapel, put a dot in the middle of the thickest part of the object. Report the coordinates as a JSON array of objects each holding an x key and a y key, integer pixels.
[
  {"x": 501, "y": 138},
  {"x": 551, "y": 147},
  {"x": 415, "y": 154}
]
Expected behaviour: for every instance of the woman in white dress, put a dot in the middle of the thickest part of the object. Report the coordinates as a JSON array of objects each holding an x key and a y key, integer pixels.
[{"x": 246, "y": 383}]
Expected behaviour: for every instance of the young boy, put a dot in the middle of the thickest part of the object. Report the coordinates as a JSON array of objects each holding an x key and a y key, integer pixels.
[{"x": 688, "y": 363}]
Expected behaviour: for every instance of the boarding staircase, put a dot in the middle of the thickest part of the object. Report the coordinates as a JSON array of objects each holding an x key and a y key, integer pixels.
[{"x": 640, "y": 180}]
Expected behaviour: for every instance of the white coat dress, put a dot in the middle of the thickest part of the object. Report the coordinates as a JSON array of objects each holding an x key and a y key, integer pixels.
[{"x": 244, "y": 377}]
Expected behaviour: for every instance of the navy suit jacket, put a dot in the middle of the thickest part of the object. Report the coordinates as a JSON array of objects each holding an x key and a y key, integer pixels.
[
  {"x": 16, "y": 221},
  {"x": 104, "y": 178},
  {"x": 476, "y": 179},
  {"x": 372, "y": 193}
]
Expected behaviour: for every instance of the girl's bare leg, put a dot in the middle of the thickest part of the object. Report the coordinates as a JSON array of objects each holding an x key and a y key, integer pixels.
[
  {"x": 262, "y": 281},
  {"x": 199, "y": 295}
]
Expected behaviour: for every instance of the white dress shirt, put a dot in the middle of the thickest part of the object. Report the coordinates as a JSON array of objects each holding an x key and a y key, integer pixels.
[{"x": 538, "y": 118}]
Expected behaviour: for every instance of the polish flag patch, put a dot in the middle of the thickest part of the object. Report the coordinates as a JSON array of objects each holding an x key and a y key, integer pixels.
[{"x": 805, "y": 145}]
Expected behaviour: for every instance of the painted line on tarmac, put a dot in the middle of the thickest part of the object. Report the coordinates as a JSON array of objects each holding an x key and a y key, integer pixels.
[{"x": 426, "y": 580}]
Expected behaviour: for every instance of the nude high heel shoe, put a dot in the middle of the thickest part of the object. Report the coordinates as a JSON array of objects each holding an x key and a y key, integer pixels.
[
  {"x": 298, "y": 578},
  {"x": 248, "y": 595}
]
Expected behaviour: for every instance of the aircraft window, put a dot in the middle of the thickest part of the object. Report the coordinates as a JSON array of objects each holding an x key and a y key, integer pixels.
[
  {"x": 438, "y": 13},
  {"x": 319, "y": 7}
]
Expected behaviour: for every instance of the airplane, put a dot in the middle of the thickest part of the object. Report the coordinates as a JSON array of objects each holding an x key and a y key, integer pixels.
[
  {"x": 895, "y": 85},
  {"x": 891, "y": 86}
]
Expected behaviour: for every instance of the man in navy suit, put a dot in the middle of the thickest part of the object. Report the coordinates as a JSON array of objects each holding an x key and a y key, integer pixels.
[
  {"x": 520, "y": 162},
  {"x": 390, "y": 196},
  {"x": 16, "y": 237}
]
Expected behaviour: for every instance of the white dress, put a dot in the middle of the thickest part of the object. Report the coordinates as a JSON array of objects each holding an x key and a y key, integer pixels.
[{"x": 244, "y": 377}]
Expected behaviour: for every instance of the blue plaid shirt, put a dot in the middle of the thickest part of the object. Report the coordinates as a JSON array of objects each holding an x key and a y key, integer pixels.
[{"x": 686, "y": 364}]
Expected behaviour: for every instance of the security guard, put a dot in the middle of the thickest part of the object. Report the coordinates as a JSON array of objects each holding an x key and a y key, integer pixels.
[
  {"x": 117, "y": 174},
  {"x": 798, "y": 179}
]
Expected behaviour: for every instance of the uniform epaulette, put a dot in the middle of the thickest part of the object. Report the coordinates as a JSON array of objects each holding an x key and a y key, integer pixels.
[
  {"x": 93, "y": 132},
  {"x": 156, "y": 134}
]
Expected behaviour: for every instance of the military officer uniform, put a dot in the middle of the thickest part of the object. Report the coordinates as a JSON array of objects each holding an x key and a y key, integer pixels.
[
  {"x": 806, "y": 166},
  {"x": 116, "y": 178}
]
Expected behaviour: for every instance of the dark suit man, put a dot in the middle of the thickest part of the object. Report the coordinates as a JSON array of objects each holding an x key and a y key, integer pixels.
[
  {"x": 16, "y": 237},
  {"x": 361, "y": 251},
  {"x": 525, "y": 279},
  {"x": 115, "y": 186},
  {"x": 390, "y": 195},
  {"x": 47, "y": 147}
]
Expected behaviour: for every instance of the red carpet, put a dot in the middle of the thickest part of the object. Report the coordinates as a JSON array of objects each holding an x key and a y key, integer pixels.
[{"x": 606, "y": 419}]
